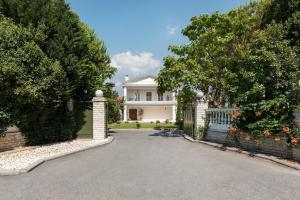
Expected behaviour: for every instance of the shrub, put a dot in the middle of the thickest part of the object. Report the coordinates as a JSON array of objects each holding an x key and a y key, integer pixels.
[
  {"x": 49, "y": 125},
  {"x": 41, "y": 69},
  {"x": 141, "y": 112},
  {"x": 167, "y": 121},
  {"x": 157, "y": 125},
  {"x": 138, "y": 125},
  {"x": 266, "y": 118}
]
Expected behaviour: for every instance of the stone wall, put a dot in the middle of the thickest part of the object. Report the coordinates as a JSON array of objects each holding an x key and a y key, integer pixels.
[
  {"x": 269, "y": 145},
  {"x": 296, "y": 154},
  {"x": 297, "y": 116},
  {"x": 217, "y": 137},
  {"x": 11, "y": 138}
]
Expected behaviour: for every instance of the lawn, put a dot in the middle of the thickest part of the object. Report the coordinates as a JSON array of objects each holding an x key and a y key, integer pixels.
[{"x": 142, "y": 125}]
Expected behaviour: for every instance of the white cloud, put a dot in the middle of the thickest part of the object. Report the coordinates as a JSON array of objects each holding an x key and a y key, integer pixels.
[
  {"x": 134, "y": 65},
  {"x": 172, "y": 30}
]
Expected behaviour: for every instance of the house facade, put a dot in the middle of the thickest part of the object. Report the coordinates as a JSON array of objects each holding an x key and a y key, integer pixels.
[{"x": 143, "y": 103}]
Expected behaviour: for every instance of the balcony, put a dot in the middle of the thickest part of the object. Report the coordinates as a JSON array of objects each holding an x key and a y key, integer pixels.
[{"x": 150, "y": 103}]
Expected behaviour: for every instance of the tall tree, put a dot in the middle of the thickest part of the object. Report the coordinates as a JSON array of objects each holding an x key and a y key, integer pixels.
[
  {"x": 234, "y": 57},
  {"x": 66, "y": 60},
  {"x": 82, "y": 56},
  {"x": 286, "y": 12},
  {"x": 205, "y": 63},
  {"x": 27, "y": 76}
]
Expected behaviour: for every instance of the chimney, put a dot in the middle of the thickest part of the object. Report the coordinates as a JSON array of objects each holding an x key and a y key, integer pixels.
[{"x": 126, "y": 78}]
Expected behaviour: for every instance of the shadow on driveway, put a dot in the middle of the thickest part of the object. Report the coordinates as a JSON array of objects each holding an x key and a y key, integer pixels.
[{"x": 168, "y": 133}]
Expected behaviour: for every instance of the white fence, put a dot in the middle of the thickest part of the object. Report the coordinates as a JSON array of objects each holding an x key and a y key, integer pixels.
[{"x": 219, "y": 118}]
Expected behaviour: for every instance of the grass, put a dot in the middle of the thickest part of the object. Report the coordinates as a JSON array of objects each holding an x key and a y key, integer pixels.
[{"x": 143, "y": 125}]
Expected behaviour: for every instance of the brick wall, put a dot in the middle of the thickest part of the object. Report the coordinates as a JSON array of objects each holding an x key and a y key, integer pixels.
[
  {"x": 269, "y": 145},
  {"x": 11, "y": 139}
]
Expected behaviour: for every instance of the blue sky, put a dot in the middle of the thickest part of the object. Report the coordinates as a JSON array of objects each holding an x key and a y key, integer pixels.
[{"x": 137, "y": 33}]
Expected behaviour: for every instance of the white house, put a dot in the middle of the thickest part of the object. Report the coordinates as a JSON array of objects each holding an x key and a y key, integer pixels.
[{"x": 143, "y": 103}]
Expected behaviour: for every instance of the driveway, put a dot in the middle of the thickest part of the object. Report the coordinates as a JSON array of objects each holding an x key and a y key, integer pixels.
[{"x": 145, "y": 165}]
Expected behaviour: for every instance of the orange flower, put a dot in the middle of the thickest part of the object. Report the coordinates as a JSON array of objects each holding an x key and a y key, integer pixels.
[
  {"x": 236, "y": 115},
  {"x": 257, "y": 114},
  {"x": 232, "y": 130},
  {"x": 294, "y": 141},
  {"x": 267, "y": 133},
  {"x": 286, "y": 129}
]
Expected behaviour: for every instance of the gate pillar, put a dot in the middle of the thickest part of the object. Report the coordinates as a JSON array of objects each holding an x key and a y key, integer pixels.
[{"x": 99, "y": 116}]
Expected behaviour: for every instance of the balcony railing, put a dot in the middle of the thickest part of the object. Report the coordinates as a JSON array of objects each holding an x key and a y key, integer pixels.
[
  {"x": 220, "y": 119},
  {"x": 132, "y": 99},
  {"x": 150, "y": 103}
]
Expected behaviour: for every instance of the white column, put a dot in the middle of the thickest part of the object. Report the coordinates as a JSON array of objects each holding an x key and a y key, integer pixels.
[
  {"x": 125, "y": 113},
  {"x": 125, "y": 93},
  {"x": 173, "y": 96},
  {"x": 99, "y": 116},
  {"x": 174, "y": 113},
  {"x": 125, "y": 107},
  {"x": 174, "y": 107}
]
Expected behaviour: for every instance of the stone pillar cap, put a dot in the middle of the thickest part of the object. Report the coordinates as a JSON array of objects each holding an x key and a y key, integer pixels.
[
  {"x": 99, "y": 93},
  {"x": 199, "y": 94}
]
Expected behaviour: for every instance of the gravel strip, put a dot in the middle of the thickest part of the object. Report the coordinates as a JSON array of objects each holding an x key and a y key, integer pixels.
[{"x": 22, "y": 159}]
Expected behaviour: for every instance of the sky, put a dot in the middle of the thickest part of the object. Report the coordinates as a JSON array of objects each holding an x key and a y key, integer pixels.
[{"x": 137, "y": 33}]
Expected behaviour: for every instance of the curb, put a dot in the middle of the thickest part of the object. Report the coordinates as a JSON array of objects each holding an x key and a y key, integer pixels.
[
  {"x": 136, "y": 129},
  {"x": 8, "y": 172},
  {"x": 125, "y": 129},
  {"x": 274, "y": 159}
]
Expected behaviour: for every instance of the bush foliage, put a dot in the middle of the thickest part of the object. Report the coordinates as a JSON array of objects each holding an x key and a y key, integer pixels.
[
  {"x": 248, "y": 57},
  {"x": 47, "y": 57}
]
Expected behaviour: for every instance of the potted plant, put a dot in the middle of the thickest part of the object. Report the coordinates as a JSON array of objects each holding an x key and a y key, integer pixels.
[
  {"x": 157, "y": 124},
  {"x": 141, "y": 112}
]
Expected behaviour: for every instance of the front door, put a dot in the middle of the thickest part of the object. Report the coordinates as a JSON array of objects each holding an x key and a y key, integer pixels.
[{"x": 133, "y": 114}]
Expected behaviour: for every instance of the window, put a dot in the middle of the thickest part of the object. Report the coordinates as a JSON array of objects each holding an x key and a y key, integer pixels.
[
  {"x": 160, "y": 97},
  {"x": 149, "y": 96}
]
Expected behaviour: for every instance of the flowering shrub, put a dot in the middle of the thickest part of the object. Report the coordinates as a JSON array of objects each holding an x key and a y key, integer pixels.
[
  {"x": 293, "y": 137},
  {"x": 265, "y": 119}
]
